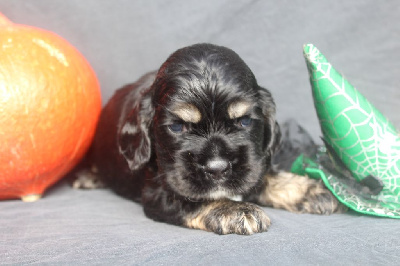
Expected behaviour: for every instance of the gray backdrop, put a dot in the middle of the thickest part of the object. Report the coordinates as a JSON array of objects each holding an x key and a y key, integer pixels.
[{"x": 123, "y": 39}]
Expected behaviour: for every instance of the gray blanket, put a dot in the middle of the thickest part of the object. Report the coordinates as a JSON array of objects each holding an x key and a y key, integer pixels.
[{"x": 123, "y": 39}]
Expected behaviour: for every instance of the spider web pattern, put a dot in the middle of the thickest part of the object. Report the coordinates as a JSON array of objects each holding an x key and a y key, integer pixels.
[
  {"x": 364, "y": 205},
  {"x": 360, "y": 135},
  {"x": 343, "y": 189}
]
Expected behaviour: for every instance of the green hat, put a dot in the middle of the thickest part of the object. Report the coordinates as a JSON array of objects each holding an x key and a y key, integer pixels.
[{"x": 363, "y": 145}]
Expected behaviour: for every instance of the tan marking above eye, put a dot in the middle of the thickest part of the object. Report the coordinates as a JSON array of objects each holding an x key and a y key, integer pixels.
[
  {"x": 238, "y": 109},
  {"x": 187, "y": 112}
]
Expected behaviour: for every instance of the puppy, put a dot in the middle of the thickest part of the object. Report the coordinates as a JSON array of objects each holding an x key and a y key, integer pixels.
[{"x": 193, "y": 143}]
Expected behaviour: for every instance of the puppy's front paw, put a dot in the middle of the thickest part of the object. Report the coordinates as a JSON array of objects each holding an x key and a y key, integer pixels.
[
  {"x": 299, "y": 194},
  {"x": 87, "y": 179},
  {"x": 227, "y": 217},
  {"x": 318, "y": 200}
]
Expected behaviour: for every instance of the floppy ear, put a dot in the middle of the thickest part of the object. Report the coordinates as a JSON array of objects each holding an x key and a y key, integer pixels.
[
  {"x": 134, "y": 139},
  {"x": 272, "y": 134},
  {"x": 276, "y": 139}
]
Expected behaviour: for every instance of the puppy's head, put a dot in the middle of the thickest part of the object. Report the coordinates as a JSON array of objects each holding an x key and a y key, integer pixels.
[{"x": 214, "y": 128}]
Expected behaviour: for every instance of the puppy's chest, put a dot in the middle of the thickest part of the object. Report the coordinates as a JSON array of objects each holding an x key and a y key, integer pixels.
[
  {"x": 236, "y": 198},
  {"x": 220, "y": 194}
]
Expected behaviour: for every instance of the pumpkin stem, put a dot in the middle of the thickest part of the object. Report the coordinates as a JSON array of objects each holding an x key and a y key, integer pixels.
[{"x": 4, "y": 20}]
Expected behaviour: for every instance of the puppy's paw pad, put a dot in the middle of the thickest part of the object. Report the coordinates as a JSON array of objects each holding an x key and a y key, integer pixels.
[{"x": 87, "y": 179}]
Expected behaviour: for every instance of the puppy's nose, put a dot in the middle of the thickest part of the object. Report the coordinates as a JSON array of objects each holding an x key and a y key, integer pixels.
[{"x": 217, "y": 167}]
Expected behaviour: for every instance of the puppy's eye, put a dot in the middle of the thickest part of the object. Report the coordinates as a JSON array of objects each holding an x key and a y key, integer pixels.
[
  {"x": 245, "y": 121},
  {"x": 177, "y": 127}
]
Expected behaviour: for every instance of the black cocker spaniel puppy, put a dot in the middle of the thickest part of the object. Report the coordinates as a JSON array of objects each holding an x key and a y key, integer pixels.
[{"x": 193, "y": 143}]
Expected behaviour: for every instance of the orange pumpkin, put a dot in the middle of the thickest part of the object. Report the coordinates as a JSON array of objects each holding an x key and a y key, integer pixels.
[{"x": 49, "y": 107}]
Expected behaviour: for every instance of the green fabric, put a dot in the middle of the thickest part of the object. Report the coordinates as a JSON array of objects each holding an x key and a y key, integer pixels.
[
  {"x": 356, "y": 133},
  {"x": 343, "y": 191}
]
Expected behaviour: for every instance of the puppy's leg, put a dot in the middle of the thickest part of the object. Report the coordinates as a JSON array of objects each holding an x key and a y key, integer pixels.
[
  {"x": 298, "y": 194},
  {"x": 88, "y": 178},
  {"x": 219, "y": 216},
  {"x": 228, "y": 217}
]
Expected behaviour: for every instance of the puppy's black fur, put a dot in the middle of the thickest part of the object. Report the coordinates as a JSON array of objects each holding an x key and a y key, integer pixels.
[{"x": 188, "y": 139}]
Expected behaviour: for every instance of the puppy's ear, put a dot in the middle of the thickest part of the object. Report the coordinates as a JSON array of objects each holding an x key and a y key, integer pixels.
[
  {"x": 276, "y": 139},
  {"x": 272, "y": 134},
  {"x": 134, "y": 135}
]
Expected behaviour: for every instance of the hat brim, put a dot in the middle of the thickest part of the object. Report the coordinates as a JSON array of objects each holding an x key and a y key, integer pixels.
[{"x": 355, "y": 200}]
